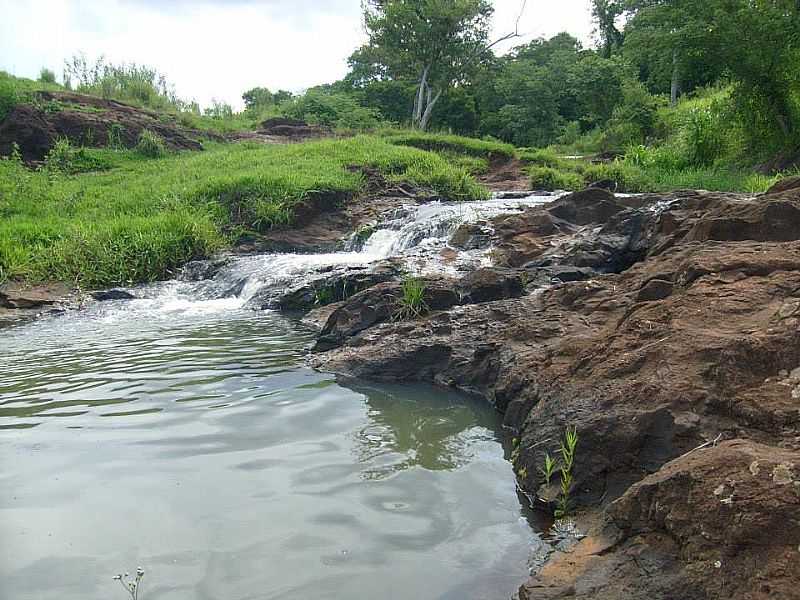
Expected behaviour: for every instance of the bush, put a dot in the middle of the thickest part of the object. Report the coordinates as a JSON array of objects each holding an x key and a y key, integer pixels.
[
  {"x": 628, "y": 178},
  {"x": 8, "y": 97},
  {"x": 151, "y": 144},
  {"x": 65, "y": 158},
  {"x": 702, "y": 136},
  {"x": 550, "y": 179},
  {"x": 47, "y": 76},
  {"x": 331, "y": 110}
]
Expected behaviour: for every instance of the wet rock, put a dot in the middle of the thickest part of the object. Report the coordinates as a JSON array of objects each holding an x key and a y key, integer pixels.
[
  {"x": 19, "y": 296},
  {"x": 201, "y": 270},
  {"x": 336, "y": 287},
  {"x": 471, "y": 236},
  {"x": 604, "y": 184},
  {"x": 376, "y": 305},
  {"x": 113, "y": 294},
  {"x": 484, "y": 285}
]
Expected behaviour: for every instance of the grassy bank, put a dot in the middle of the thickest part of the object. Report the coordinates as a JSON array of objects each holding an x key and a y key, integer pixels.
[{"x": 140, "y": 218}]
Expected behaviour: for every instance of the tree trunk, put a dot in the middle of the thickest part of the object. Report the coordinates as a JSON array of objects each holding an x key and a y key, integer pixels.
[
  {"x": 419, "y": 100},
  {"x": 675, "y": 87},
  {"x": 426, "y": 117}
]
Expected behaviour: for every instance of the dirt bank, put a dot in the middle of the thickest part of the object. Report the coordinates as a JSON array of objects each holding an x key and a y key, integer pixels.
[{"x": 666, "y": 328}]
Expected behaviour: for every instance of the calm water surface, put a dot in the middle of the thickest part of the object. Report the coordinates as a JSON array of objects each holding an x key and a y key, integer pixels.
[{"x": 191, "y": 439}]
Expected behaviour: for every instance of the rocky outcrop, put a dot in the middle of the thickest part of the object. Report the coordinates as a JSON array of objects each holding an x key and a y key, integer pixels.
[
  {"x": 666, "y": 329},
  {"x": 86, "y": 121}
]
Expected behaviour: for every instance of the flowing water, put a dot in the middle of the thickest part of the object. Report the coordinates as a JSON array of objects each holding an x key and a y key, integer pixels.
[{"x": 183, "y": 432}]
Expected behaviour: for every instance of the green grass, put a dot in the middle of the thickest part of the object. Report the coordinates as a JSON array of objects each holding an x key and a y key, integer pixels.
[
  {"x": 440, "y": 142},
  {"x": 144, "y": 217},
  {"x": 411, "y": 304}
]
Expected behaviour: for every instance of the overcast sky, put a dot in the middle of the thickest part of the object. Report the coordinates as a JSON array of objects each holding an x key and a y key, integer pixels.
[{"x": 220, "y": 48}]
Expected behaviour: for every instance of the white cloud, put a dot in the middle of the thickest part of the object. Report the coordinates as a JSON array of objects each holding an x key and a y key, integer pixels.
[{"x": 219, "y": 48}]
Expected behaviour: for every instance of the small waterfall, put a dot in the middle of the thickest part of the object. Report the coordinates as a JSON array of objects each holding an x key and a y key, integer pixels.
[{"x": 415, "y": 234}]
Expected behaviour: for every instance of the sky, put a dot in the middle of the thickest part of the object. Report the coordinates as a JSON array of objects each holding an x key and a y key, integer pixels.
[{"x": 217, "y": 49}]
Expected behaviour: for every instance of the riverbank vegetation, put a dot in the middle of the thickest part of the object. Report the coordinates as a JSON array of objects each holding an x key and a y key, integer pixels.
[{"x": 138, "y": 218}]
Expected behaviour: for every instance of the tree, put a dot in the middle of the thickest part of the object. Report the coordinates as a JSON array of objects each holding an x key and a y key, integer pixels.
[
  {"x": 605, "y": 14},
  {"x": 47, "y": 76},
  {"x": 435, "y": 43},
  {"x": 258, "y": 98}
]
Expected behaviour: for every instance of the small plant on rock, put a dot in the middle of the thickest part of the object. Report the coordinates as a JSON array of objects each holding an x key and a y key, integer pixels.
[
  {"x": 549, "y": 468},
  {"x": 412, "y": 302},
  {"x": 568, "y": 447}
]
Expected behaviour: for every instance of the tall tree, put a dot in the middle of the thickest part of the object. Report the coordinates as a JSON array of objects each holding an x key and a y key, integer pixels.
[
  {"x": 605, "y": 14},
  {"x": 435, "y": 43}
]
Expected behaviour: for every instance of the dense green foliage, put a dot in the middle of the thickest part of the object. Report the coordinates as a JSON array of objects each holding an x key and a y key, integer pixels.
[{"x": 142, "y": 217}]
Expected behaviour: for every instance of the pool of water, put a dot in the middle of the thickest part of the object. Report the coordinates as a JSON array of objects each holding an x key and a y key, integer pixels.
[{"x": 191, "y": 439}]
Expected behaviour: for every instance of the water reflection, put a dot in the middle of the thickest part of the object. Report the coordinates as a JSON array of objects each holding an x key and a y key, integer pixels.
[
  {"x": 417, "y": 425},
  {"x": 204, "y": 450}
]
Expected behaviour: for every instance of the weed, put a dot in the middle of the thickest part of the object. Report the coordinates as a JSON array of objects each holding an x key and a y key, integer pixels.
[
  {"x": 61, "y": 156},
  {"x": 549, "y": 467},
  {"x": 411, "y": 304},
  {"x": 568, "y": 447},
  {"x": 115, "y": 137},
  {"x": 131, "y": 586},
  {"x": 150, "y": 144}
]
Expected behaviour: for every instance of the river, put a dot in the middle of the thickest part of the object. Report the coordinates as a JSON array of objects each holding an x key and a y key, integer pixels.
[{"x": 182, "y": 432}]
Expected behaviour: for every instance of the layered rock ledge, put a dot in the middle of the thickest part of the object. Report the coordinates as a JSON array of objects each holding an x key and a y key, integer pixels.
[{"x": 666, "y": 329}]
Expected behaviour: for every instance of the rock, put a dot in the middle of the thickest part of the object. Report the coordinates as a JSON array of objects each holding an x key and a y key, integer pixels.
[
  {"x": 378, "y": 304},
  {"x": 335, "y": 288},
  {"x": 784, "y": 185},
  {"x": 488, "y": 284},
  {"x": 292, "y": 128},
  {"x": 15, "y": 295},
  {"x": 201, "y": 270},
  {"x": 592, "y": 205},
  {"x": 471, "y": 236},
  {"x": 604, "y": 184},
  {"x": 646, "y": 375},
  {"x": 655, "y": 289},
  {"x": 85, "y": 121},
  {"x": 114, "y": 294}
]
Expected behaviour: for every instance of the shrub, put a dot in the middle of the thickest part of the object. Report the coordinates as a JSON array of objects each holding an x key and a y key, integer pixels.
[
  {"x": 66, "y": 158},
  {"x": 628, "y": 178},
  {"x": 47, "y": 76},
  {"x": 550, "y": 179},
  {"x": 702, "y": 137},
  {"x": 331, "y": 110},
  {"x": 115, "y": 137},
  {"x": 8, "y": 97},
  {"x": 150, "y": 144}
]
